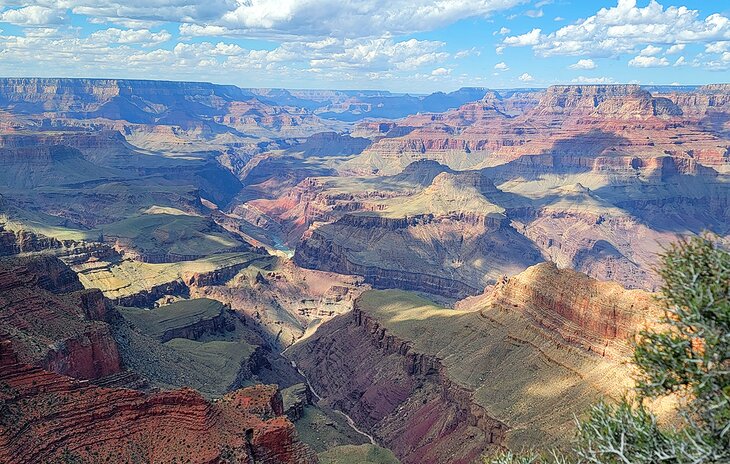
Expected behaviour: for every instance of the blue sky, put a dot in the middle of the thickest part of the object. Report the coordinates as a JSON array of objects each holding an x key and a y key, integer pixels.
[{"x": 413, "y": 46}]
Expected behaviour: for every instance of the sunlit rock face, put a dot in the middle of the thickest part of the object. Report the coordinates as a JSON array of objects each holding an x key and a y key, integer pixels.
[
  {"x": 90, "y": 422},
  {"x": 506, "y": 369}
]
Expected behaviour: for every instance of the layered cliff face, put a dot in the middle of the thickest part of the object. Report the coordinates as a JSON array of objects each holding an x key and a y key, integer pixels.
[
  {"x": 187, "y": 105},
  {"x": 326, "y": 199},
  {"x": 600, "y": 317},
  {"x": 463, "y": 240},
  {"x": 629, "y": 102},
  {"x": 52, "y": 322},
  {"x": 508, "y": 369},
  {"x": 47, "y": 417},
  {"x": 491, "y": 131}
]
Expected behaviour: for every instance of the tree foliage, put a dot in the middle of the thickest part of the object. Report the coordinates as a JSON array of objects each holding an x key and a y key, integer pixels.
[{"x": 686, "y": 355}]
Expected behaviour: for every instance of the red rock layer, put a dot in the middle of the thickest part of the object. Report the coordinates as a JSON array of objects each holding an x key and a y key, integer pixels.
[
  {"x": 52, "y": 322},
  {"x": 404, "y": 398},
  {"x": 46, "y": 417},
  {"x": 636, "y": 121},
  {"x": 598, "y": 316}
]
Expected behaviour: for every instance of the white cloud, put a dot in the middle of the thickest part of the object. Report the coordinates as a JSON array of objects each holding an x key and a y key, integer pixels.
[
  {"x": 465, "y": 53},
  {"x": 380, "y": 54},
  {"x": 441, "y": 72},
  {"x": 718, "y": 47},
  {"x": 528, "y": 38},
  {"x": 534, "y": 13},
  {"x": 131, "y": 36},
  {"x": 650, "y": 50},
  {"x": 675, "y": 49},
  {"x": 625, "y": 28},
  {"x": 305, "y": 18},
  {"x": 642, "y": 61},
  {"x": 502, "y": 31},
  {"x": 266, "y": 18},
  {"x": 526, "y": 78},
  {"x": 584, "y": 64},
  {"x": 593, "y": 80},
  {"x": 33, "y": 15},
  {"x": 558, "y": 19},
  {"x": 197, "y": 30},
  {"x": 501, "y": 66},
  {"x": 680, "y": 61}
]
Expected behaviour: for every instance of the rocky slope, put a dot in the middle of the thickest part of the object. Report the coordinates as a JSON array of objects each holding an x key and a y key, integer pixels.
[
  {"x": 48, "y": 417},
  {"x": 484, "y": 134},
  {"x": 52, "y": 321},
  {"x": 597, "y": 178},
  {"x": 461, "y": 239},
  {"x": 508, "y": 369},
  {"x": 188, "y": 105}
]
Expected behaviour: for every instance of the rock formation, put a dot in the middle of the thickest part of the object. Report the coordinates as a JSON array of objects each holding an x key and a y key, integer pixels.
[
  {"x": 508, "y": 369},
  {"x": 48, "y": 417},
  {"x": 462, "y": 239},
  {"x": 52, "y": 321}
]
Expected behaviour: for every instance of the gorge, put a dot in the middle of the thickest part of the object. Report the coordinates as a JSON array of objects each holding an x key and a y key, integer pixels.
[{"x": 193, "y": 272}]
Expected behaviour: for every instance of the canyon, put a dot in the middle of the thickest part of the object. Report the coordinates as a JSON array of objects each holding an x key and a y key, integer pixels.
[
  {"x": 435, "y": 384},
  {"x": 202, "y": 272}
]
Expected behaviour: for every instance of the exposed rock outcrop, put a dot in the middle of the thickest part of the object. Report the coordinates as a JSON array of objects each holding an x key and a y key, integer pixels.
[
  {"x": 47, "y": 417},
  {"x": 52, "y": 322},
  {"x": 509, "y": 368},
  {"x": 400, "y": 395},
  {"x": 462, "y": 239}
]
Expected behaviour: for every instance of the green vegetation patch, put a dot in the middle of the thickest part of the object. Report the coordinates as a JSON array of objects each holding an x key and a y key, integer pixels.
[
  {"x": 176, "y": 234},
  {"x": 128, "y": 277},
  {"x": 542, "y": 383},
  {"x": 323, "y": 429},
  {"x": 362, "y": 454},
  {"x": 223, "y": 357},
  {"x": 156, "y": 322}
]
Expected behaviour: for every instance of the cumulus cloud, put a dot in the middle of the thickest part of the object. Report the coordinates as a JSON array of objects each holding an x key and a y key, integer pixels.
[
  {"x": 528, "y": 38},
  {"x": 526, "y": 78},
  {"x": 116, "y": 51},
  {"x": 501, "y": 66},
  {"x": 441, "y": 72},
  {"x": 625, "y": 28},
  {"x": 643, "y": 61},
  {"x": 379, "y": 54},
  {"x": 131, "y": 36},
  {"x": 718, "y": 47},
  {"x": 206, "y": 30},
  {"x": 675, "y": 49},
  {"x": 293, "y": 17},
  {"x": 584, "y": 64},
  {"x": 650, "y": 50},
  {"x": 33, "y": 15},
  {"x": 502, "y": 31}
]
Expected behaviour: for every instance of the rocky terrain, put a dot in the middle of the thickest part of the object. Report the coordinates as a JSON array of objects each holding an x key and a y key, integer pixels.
[
  {"x": 460, "y": 240},
  {"x": 578, "y": 171},
  {"x": 167, "y": 249},
  {"x": 508, "y": 369},
  {"x": 47, "y": 416},
  {"x": 52, "y": 321}
]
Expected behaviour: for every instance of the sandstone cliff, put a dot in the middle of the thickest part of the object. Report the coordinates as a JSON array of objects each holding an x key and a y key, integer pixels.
[
  {"x": 47, "y": 417},
  {"x": 462, "y": 239},
  {"x": 52, "y": 322},
  {"x": 508, "y": 369}
]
